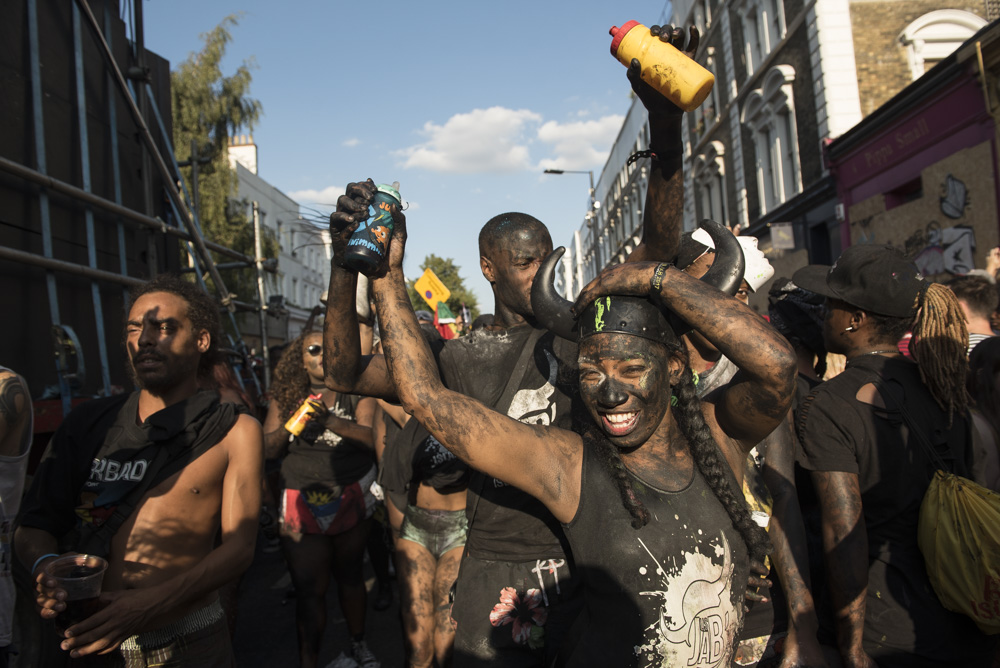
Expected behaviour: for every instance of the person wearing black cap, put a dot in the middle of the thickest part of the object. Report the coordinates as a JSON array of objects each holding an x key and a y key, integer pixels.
[
  {"x": 861, "y": 436},
  {"x": 647, "y": 493}
]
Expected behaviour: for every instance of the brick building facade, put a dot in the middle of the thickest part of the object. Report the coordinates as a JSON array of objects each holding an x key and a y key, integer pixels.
[{"x": 791, "y": 75}]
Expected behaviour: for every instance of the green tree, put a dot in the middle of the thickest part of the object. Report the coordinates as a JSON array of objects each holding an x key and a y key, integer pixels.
[
  {"x": 208, "y": 108},
  {"x": 447, "y": 271}
]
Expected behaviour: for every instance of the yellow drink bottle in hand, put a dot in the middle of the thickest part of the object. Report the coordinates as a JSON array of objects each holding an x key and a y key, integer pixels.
[
  {"x": 677, "y": 77},
  {"x": 305, "y": 412}
]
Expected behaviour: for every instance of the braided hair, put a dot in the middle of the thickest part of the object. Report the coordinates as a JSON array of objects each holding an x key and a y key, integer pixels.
[
  {"x": 706, "y": 455},
  {"x": 940, "y": 343}
]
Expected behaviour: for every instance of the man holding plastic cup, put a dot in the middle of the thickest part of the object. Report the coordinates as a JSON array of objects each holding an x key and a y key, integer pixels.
[{"x": 164, "y": 483}]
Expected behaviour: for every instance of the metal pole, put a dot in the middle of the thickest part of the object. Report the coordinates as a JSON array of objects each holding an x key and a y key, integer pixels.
[
  {"x": 43, "y": 196},
  {"x": 147, "y": 138},
  {"x": 260, "y": 295},
  {"x": 88, "y": 214},
  {"x": 115, "y": 165},
  {"x": 51, "y": 264},
  {"x": 49, "y": 183}
]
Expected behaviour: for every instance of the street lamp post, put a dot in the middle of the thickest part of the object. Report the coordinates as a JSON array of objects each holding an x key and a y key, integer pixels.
[{"x": 590, "y": 218}]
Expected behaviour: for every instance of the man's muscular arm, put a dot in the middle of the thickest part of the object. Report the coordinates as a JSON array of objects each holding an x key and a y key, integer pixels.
[
  {"x": 15, "y": 415},
  {"x": 845, "y": 546},
  {"x": 663, "y": 213},
  {"x": 346, "y": 369},
  {"x": 135, "y": 610},
  {"x": 791, "y": 561}
]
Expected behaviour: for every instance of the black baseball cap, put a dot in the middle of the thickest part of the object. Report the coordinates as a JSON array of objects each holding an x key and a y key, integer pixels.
[{"x": 877, "y": 279}]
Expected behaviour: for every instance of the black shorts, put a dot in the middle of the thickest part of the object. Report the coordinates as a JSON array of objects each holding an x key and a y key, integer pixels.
[{"x": 513, "y": 613}]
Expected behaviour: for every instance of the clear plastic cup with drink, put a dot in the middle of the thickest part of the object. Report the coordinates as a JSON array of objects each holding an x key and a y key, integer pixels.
[{"x": 81, "y": 577}]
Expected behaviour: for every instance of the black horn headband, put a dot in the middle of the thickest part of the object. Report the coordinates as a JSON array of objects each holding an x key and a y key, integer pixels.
[{"x": 631, "y": 315}]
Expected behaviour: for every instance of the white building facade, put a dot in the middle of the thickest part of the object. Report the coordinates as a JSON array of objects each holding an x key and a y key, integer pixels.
[{"x": 304, "y": 248}]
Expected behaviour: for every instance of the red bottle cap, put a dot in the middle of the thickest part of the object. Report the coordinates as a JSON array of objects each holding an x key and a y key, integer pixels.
[{"x": 618, "y": 34}]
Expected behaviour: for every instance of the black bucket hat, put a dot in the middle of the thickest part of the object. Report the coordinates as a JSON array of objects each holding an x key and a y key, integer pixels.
[{"x": 877, "y": 279}]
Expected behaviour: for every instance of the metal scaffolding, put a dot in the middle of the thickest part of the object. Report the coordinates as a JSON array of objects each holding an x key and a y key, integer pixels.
[{"x": 85, "y": 26}]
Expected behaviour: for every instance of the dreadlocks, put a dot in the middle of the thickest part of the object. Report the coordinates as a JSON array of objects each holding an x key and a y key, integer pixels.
[{"x": 941, "y": 340}]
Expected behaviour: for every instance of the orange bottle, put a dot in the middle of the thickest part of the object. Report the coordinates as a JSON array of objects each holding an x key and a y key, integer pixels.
[
  {"x": 305, "y": 412},
  {"x": 677, "y": 77}
]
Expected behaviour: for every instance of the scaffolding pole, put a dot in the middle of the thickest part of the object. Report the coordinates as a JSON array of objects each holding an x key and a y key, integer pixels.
[{"x": 147, "y": 138}]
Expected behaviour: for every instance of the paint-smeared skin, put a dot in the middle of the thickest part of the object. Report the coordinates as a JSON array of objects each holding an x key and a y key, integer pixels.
[
  {"x": 756, "y": 400},
  {"x": 662, "y": 218},
  {"x": 345, "y": 369},
  {"x": 480, "y": 437},
  {"x": 425, "y": 584},
  {"x": 791, "y": 559},
  {"x": 845, "y": 545}
]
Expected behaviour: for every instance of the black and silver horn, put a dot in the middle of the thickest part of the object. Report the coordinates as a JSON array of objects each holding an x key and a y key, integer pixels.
[
  {"x": 550, "y": 309},
  {"x": 553, "y": 311}
]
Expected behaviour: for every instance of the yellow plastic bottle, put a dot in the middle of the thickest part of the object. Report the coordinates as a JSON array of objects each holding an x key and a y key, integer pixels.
[
  {"x": 305, "y": 412},
  {"x": 677, "y": 77}
]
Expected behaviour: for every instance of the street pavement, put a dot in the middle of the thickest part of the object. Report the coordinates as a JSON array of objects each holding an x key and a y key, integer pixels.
[{"x": 265, "y": 625}]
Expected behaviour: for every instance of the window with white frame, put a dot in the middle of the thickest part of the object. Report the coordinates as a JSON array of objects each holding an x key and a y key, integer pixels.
[
  {"x": 935, "y": 35},
  {"x": 710, "y": 182},
  {"x": 763, "y": 28},
  {"x": 708, "y": 112},
  {"x": 769, "y": 112}
]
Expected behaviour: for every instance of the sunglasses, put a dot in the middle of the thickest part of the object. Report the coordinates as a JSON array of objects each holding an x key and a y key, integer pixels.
[{"x": 314, "y": 349}]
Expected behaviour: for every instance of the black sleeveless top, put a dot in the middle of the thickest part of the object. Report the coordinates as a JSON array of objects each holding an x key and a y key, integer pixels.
[
  {"x": 506, "y": 524},
  {"x": 668, "y": 594}
]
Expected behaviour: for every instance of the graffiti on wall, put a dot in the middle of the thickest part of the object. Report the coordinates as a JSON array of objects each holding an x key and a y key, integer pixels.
[
  {"x": 954, "y": 198},
  {"x": 938, "y": 252},
  {"x": 947, "y": 225}
]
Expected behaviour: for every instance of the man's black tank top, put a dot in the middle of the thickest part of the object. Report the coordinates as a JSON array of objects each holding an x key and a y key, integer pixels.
[{"x": 668, "y": 594}]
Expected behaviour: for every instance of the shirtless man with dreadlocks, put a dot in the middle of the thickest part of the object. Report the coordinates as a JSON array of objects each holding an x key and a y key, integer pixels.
[{"x": 870, "y": 477}]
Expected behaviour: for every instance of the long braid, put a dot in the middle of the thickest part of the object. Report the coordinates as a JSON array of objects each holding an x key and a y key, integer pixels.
[
  {"x": 941, "y": 340},
  {"x": 609, "y": 454},
  {"x": 707, "y": 457}
]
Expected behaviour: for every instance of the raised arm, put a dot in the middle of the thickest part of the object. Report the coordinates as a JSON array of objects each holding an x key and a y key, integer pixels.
[
  {"x": 486, "y": 440},
  {"x": 756, "y": 400},
  {"x": 345, "y": 368},
  {"x": 791, "y": 558},
  {"x": 663, "y": 213}
]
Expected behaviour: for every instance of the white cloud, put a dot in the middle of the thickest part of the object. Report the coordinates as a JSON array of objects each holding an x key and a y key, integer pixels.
[
  {"x": 483, "y": 140},
  {"x": 351, "y": 143},
  {"x": 327, "y": 197},
  {"x": 581, "y": 144}
]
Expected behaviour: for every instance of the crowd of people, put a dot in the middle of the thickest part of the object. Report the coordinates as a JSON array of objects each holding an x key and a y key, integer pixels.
[{"x": 652, "y": 475}]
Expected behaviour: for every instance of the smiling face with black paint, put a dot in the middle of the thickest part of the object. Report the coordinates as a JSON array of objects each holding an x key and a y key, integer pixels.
[{"x": 625, "y": 384}]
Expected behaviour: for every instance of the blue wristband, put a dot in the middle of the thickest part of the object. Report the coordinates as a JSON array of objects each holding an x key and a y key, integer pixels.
[{"x": 40, "y": 559}]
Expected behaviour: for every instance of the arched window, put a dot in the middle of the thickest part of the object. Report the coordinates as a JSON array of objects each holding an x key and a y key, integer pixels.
[
  {"x": 710, "y": 182},
  {"x": 935, "y": 35},
  {"x": 770, "y": 113}
]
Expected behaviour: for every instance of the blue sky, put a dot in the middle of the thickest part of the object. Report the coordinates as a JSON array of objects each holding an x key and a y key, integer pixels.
[{"x": 464, "y": 103}]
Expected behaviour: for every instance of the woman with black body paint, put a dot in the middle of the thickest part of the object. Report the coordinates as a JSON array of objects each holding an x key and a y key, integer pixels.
[{"x": 648, "y": 493}]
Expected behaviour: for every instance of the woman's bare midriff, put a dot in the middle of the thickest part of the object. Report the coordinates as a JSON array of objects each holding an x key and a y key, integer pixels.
[{"x": 429, "y": 498}]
